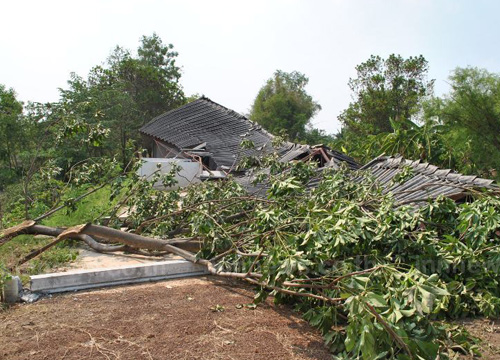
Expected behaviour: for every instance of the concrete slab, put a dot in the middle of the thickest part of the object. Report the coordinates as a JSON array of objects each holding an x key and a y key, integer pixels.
[
  {"x": 88, "y": 259},
  {"x": 92, "y": 278}
]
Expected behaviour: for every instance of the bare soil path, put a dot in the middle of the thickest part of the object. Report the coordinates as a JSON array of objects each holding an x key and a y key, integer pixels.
[
  {"x": 489, "y": 332},
  {"x": 196, "y": 318}
]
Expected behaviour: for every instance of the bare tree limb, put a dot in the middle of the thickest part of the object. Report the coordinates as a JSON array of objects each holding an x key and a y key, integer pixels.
[
  {"x": 13, "y": 231},
  {"x": 71, "y": 232}
]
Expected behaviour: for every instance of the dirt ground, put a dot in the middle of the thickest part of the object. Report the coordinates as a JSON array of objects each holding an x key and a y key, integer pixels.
[
  {"x": 194, "y": 318},
  {"x": 489, "y": 332},
  {"x": 90, "y": 259},
  {"x": 197, "y": 318}
]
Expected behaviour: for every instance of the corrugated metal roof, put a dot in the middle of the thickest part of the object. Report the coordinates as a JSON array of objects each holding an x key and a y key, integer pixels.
[
  {"x": 423, "y": 181},
  {"x": 222, "y": 129},
  {"x": 299, "y": 151},
  {"x": 205, "y": 121}
]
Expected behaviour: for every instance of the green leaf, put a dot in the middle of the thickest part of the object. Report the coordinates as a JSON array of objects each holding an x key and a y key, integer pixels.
[
  {"x": 429, "y": 349},
  {"x": 408, "y": 313},
  {"x": 434, "y": 290},
  {"x": 376, "y": 300}
]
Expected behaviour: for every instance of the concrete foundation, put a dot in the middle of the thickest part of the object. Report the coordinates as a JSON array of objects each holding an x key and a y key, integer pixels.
[{"x": 92, "y": 278}]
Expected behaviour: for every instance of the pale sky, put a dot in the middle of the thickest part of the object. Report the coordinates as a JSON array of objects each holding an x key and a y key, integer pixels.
[{"x": 228, "y": 49}]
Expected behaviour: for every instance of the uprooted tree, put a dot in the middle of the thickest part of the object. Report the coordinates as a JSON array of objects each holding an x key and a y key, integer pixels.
[{"x": 379, "y": 280}]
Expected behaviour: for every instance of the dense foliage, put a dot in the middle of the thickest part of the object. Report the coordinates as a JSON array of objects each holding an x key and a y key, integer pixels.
[
  {"x": 111, "y": 103},
  {"x": 378, "y": 280},
  {"x": 471, "y": 115},
  {"x": 125, "y": 93},
  {"x": 12, "y": 133},
  {"x": 10, "y": 111},
  {"x": 395, "y": 112},
  {"x": 96, "y": 120}
]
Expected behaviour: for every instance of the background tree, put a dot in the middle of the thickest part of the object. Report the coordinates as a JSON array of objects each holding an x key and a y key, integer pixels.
[
  {"x": 471, "y": 113},
  {"x": 11, "y": 135},
  {"x": 283, "y": 104},
  {"x": 111, "y": 103},
  {"x": 156, "y": 78},
  {"x": 126, "y": 92},
  {"x": 385, "y": 89},
  {"x": 314, "y": 136},
  {"x": 395, "y": 114}
]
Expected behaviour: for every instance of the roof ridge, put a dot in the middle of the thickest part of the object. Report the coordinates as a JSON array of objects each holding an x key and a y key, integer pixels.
[
  {"x": 255, "y": 125},
  {"x": 229, "y": 111}
]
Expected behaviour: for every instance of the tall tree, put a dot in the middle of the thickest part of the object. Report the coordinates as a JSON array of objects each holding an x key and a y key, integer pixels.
[
  {"x": 283, "y": 104},
  {"x": 128, "y": 91},
  {"x": 471, "y": 112},
  {"x": 157, "y": 77},
  {"x": 13, "y": 136},
  {"x": 10, "y": 126},
  {"x": 386, "y": 89}
]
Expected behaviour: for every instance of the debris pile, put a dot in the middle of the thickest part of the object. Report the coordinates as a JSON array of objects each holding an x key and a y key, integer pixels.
[{"x": 360, "y": 264}]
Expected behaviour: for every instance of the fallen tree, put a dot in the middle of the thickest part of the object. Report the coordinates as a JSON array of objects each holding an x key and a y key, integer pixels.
[
  {"x": 88, "y": 233},
  {"x": 376, "y": 278}
]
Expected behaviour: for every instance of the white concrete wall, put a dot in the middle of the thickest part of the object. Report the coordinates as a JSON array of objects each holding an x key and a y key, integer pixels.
[{"x": 189, "y": 174}]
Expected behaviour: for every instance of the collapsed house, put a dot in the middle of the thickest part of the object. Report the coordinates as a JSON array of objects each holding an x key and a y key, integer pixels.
[{"x": 204, "y": 138}]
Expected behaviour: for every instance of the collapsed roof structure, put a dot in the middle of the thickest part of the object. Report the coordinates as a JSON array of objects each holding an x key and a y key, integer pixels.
[
  {"x": 425, "y": 180},
  {"x": 211, "y": 134},
  {"x": 422, "y": 181},
  {"x": 322, "y": 154}
]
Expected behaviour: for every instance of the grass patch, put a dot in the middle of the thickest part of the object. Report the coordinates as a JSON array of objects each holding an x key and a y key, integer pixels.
[
  {"x": 86, "y": 210},
  {"x": 22, "y": 245}
]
